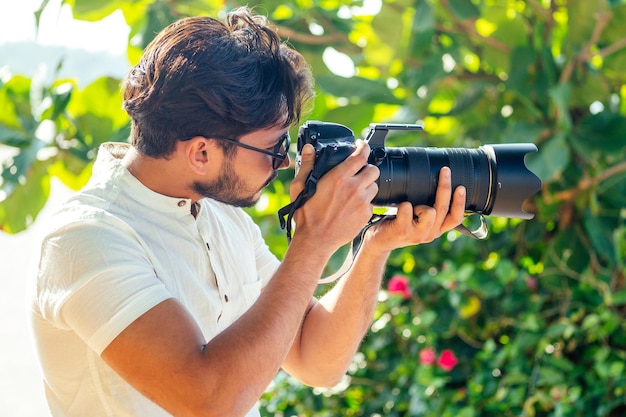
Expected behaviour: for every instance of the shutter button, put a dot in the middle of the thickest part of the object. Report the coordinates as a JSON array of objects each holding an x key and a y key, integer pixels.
[{"x": 181, "y": 203}]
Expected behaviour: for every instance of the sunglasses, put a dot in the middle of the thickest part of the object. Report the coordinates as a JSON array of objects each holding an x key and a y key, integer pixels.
[{"x": 279, "y": 152}]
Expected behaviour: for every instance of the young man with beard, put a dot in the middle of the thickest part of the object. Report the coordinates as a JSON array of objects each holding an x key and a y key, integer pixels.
[{"x": 156, "y": 294}]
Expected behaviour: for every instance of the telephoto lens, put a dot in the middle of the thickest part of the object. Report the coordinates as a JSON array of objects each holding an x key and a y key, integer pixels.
[{"x": 496, "y": 177}]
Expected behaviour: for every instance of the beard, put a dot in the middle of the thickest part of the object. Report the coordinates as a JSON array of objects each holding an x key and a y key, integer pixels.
[{"x": 230, "y": 189}]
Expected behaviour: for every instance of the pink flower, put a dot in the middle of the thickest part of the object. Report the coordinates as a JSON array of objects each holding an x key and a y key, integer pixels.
[
  {"x": 427, "y": 356},
  {"x": 447, "y": 360},
  {"x": 399, "y": 284},
  {"x": 531, "y": 283}
]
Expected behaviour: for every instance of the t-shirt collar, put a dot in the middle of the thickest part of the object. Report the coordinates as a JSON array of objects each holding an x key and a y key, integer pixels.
[{"x": 109, "y": 164}]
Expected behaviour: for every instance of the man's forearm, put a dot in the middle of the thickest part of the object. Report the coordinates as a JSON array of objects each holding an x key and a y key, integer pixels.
[{"x": 335, "y": 326}]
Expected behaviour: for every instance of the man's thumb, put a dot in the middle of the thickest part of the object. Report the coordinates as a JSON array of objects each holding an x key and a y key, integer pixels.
[{"x": 307, "y": 161}]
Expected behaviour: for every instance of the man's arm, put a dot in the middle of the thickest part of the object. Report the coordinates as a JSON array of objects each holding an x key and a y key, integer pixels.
[
  {"x": 335, "y": 326},
  {"x": 164, "y": 355}
]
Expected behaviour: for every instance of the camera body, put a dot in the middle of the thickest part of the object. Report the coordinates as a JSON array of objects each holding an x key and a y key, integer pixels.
[{"x": 496, "y": 178}]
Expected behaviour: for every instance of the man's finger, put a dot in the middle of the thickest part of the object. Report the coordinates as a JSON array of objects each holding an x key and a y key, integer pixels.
[
  {"x": 457, "y": 209},
  {"x": 306, "y": 164},
  {"x": 356, "y": 160},
  {"x": 444, "y": 194}
]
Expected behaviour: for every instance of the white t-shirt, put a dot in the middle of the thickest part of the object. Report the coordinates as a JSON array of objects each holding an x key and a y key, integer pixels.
[{"x": 115, "y": 250}]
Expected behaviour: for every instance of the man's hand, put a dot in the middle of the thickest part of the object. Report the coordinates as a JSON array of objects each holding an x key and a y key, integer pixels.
[
  {"x": 341, "y": 206},
  {"x": 421, "y": 224}
]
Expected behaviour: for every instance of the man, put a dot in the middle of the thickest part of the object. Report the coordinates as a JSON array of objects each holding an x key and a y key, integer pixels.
[{"x": 156, "y": 293}]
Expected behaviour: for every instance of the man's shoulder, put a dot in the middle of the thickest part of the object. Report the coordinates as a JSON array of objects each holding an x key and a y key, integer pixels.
[{"x": 90, "y": 220}]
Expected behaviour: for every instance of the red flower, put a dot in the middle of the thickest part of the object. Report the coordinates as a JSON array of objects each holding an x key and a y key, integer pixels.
[
  {"x": 427, "y": 356},
  {"x": 447, "y": 360},
  {"x": 399, "y": 284}
]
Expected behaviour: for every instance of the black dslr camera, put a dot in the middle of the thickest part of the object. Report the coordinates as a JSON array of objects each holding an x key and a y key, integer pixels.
[{"x": 495, "y": 176}]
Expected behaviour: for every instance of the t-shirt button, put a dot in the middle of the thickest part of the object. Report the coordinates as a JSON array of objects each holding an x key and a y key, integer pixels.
[
  {"x": 225, "y": 297},
  {"x": 181, "y": 203}
]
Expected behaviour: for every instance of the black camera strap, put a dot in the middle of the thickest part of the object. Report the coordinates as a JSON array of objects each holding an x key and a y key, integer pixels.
[
  {"x": 354, "y": 249},
  {"x": 285, "y": 214},
  {"x": 310, "y": 186}
]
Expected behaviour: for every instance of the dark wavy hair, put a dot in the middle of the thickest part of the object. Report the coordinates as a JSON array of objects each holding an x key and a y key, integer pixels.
[{"x": 202, "y": 76}]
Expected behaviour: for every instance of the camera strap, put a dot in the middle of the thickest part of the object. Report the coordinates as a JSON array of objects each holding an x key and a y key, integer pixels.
[
  {"x": 310, "y": 186},
  {"x": 355, "y": 246},
  {"x": 479, "y": 232}
]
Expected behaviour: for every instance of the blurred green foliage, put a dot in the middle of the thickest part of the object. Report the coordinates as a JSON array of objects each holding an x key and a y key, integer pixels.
[{"x": 533, "y": 314}]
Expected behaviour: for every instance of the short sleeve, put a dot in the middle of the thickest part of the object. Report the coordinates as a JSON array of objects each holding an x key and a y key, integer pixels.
[{"x": 95, "y": 279}]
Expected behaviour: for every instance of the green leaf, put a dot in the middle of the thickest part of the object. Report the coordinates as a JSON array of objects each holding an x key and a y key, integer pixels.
[
  {"x": 15, "y": 110},
  {"x": 551, "y": 160},
  {"x": 61, "y": 96},
  {"x": 591, "y": 86},
  {"x": 430, "y": 71},
  {"x": 565, "y": 252},
  {"x": 615, "y": 63},
  {"x": 94, "y": 10},
  {"x": 618, "y": 298},
  {"x": 20, "y": 209},
  {"x": 98, "y": 113},
  {"x": 603, "y": 132},
  {"x": 521, "y": 132},
  {"x": 464, "y": 9},
  {"x": 356, "y": 87},
  {"x": 157, "y": 17},
  {"x": 468, "y": 98},
  {"x": 582, "y": 15},
  {"x": 601, "y": 235},
  {"x": 101, "y": 98},
  {"x": 562, "y": 364},
  {"x": 71, "y": 170},
  {"x": 506, "y": 271},
  {"x": 560, "y": 95},
  {"x": 17, "y": 169},
  {"x": 12, "y": 137},
  {"x": 614, "y": 31},
  {"x": 550, "y": 376},
  {"x": 424, "y": 18},
  {"x": 388, "y": 25},
  {"x": 38, "y": 12},
  {"x": 522, "y": 60}
]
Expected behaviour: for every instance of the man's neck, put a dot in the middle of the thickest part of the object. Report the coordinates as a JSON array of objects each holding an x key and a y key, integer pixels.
[{"x": 161, "y": 175}]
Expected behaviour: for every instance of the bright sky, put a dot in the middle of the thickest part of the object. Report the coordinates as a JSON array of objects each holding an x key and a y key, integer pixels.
[{"x": 58, "y": 28}]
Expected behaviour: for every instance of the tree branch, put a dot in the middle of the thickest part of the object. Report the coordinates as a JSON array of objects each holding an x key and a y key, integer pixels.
[
  {"x": 602, "y": 20},
  {"x": 586, "y": 183},
  {"x": 469, "y": 27},
  {"x": 310, "y": 39},
  {"x": 620, "y": 44},
  {"x": 547, "y": 14}
]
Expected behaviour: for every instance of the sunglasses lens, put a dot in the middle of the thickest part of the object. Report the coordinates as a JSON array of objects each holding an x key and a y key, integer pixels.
[{"x": 282, "y": 148}]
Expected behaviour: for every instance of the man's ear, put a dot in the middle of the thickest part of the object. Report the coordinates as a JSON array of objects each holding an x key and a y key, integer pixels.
[{"x": 198, "y": 152}]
